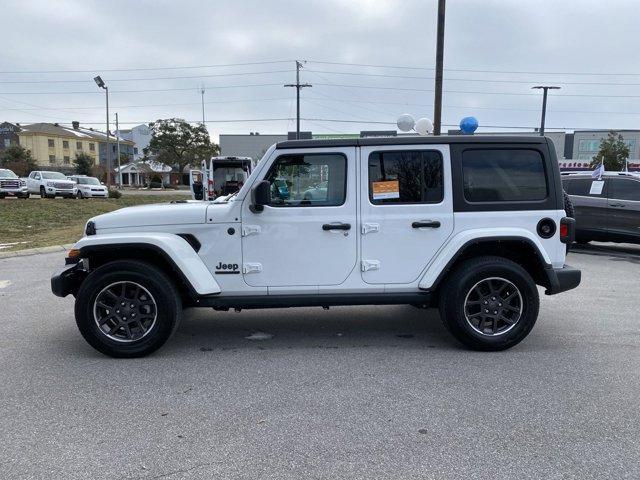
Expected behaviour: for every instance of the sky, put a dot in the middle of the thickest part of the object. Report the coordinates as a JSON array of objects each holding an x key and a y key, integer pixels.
[{"x": 368, "y": 61}]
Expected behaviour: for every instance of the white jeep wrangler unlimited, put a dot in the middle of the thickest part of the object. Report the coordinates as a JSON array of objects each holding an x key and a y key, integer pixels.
[{"x": 468, "y": 224}]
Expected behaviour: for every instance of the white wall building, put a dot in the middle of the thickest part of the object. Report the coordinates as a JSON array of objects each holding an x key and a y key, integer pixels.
[{"x": 141, "y": 136}]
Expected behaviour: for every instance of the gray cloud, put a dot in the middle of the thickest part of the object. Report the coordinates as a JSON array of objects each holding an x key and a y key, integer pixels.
[{"x": 508, "y": 35}]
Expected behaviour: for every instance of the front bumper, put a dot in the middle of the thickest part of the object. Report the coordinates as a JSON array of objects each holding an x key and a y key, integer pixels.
[
  {"x": 67, "y": 279},
  {"x": 562, "y": 279},
  {"x": 63, "y": 192},
  {"x": 14, "y": 192}
]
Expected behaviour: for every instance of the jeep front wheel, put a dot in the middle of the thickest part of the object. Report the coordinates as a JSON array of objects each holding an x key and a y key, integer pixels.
[
  {"x": 127, "y": 309},
  {"x": 489, "y": 303}
]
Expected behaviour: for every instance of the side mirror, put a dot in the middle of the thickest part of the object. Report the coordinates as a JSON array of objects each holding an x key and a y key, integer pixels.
[{"x": 260, "y": 196}]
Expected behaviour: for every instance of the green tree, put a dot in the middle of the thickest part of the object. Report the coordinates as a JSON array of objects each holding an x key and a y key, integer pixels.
[
  {"x": 177, "y": 143},
  {"x": 83, "y": 163},
  {"x": 613, "y": 153},
  {"x": 18, "y": 159}
]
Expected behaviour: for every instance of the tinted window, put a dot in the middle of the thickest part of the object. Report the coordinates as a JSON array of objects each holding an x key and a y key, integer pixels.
[
  {"x": 624, "y": 189},
  {"x": 580, "y": 186},
  {"x": 408, "y": 176},
  {"x": 503, "y": 175},
  {"x": 308, "y": 180}
]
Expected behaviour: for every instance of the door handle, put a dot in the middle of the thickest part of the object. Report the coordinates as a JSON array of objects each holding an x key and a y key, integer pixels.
[
  {"x": 336, "y": 226},
  {"x": 616, "y": 205},
  {"x": 426, "y": 224}
]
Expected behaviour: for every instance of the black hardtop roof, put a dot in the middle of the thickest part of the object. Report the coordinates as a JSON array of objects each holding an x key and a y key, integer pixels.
[{"x": 439, "y": 140}]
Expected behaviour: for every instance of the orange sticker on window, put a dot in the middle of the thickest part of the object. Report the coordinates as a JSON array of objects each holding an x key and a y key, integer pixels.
[{"x": 386, "y": 189}]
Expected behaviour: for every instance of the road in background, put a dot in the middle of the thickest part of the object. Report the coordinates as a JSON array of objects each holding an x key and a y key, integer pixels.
[{"x": 353, "y": 392}]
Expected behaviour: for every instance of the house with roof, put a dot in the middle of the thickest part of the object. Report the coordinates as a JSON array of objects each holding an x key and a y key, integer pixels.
[
  {"x": 141, "y": 173},
  {"x": 55, "y": 146}
]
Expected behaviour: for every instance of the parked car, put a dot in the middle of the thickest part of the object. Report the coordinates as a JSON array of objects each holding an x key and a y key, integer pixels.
[
  {"x": 606, "y": 209},
  {"x": 473, "y": 232},
  {"x": 11, "y": 185},
  {"x": 89, "y": 187},
  {"x": 51, "y": 184}
]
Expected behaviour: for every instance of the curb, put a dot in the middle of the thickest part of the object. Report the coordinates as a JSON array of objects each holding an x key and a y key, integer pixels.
[{"x": 36, "y": 251}]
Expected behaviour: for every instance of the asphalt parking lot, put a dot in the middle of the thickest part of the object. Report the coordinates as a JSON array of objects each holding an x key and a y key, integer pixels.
[{"x": 353, "y": 392}]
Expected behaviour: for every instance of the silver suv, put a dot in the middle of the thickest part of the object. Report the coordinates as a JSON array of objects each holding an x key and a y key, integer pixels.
[{"x": 606, "y": 209}]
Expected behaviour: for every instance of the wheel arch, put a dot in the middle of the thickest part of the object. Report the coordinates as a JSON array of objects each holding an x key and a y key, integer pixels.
[
  {"x": 171, "y": 253},
  {"x": 519, "y": 249}
]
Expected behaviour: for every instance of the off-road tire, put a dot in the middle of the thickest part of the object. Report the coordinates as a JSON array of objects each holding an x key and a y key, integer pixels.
[
  {"x": 460, "y": 281},
  {"x": 167, "y": 300}
]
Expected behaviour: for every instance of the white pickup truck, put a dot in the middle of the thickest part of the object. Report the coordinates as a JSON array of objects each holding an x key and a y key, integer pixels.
[
  {"x": 470, "y": 225},
  {"x": 51, "y": 184}
]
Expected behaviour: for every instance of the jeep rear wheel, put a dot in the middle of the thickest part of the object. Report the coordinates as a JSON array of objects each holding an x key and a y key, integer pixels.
[
  {"x": 489, "y": 303},
  {"x": 127, "y": 309}
]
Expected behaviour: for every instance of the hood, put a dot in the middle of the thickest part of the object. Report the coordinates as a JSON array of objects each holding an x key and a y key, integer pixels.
[{"x": 156, "y": 214}]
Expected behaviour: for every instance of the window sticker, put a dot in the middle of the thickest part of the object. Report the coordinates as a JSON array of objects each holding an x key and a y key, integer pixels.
[
  {"x": 386, "y": 189},
  {"x": 596, "y": 187}
]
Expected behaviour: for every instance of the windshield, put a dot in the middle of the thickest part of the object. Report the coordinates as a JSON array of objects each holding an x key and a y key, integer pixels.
[
  {"x": 7, "y": 174},
  {"x": 53, "y": 176},
  {"x": 88, "y": 181}
]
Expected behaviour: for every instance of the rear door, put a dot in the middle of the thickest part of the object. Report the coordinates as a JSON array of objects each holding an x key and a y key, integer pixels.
[
  {"x": 589, "y": 199},
  {"x": 406, "y": 210},
  {"x": 624, "y": 207}
]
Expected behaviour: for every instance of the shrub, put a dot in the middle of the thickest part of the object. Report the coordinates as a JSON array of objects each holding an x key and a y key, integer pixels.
[{"x": 113, "y": 193}]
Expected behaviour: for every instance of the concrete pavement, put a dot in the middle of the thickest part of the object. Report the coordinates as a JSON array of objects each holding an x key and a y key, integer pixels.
[{"x": 353, "y": 392}]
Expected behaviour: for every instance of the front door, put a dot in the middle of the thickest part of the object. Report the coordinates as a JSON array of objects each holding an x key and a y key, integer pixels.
[
  {"x": 406, "y": 210},
  {"x": 307, "y": 235}
]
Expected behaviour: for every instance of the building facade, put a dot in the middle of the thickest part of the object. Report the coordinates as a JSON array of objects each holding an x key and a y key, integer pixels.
[
  {"x": 140, "y": 136},
  {"x": 55, "y": 146},
  {"x": 586, "y": 143},
  {"x": 8, "y": 135}
]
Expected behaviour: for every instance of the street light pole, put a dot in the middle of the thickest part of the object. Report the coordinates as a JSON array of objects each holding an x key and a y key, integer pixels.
[
  {"x": 544, "y": 89},
  {"x": 298, "y": 86},
  {"x": 437, "y": 102},
  {"x": 101, "y": 84},
  {"x": 202, "y": 93}
]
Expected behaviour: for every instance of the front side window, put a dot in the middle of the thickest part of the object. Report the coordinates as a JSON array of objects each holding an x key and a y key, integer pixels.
[
  {"x": 406, "y": 176},
  {"x": 624, "y": 189},
  {"x": 503, "y": 175},
  {"x": 313, "y": 180}
]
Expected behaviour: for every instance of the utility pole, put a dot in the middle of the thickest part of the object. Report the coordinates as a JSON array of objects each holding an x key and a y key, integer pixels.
[
  {"x": 298, "y": 86},
  {"x": 544, "y": 89},
  {"x": 437, "y": 102},
  {"x": 202, "y": 93},
  {"x": 118, "y": 150}
]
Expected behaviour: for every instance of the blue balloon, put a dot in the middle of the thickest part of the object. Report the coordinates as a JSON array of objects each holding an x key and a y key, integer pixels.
[{"x": 468, "y": 125}]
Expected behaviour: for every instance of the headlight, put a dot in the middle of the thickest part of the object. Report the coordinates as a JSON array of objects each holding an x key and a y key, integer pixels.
[
  {"x": 23, "y": 183},
  {"x": 49, "y": 184}
]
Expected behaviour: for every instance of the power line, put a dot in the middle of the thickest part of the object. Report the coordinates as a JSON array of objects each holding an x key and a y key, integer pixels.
[
  {"x": 482, "y": 80},
  {"x": 143, "y": 91},
  {"x": 147, "y": 69},
  {"x": 473, "y": 70},
  {"x": 146, "y": 79}
]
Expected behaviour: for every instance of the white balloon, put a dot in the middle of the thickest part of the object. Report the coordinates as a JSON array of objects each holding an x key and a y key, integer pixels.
[
  {"x": 405, "y": 122},
  {"x": 423, "y": 126}
]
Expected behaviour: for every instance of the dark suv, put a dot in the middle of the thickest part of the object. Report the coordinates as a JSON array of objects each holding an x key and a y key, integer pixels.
[{"x": 606, "y": 210}]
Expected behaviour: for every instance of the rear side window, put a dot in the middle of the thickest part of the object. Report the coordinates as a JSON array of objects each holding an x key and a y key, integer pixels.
[
  {"x": 624, "y": 189},
  {"x": 407, "y": 176},
  {"x": 583, "y": 187},
  {"x": 503, "y": 175}
]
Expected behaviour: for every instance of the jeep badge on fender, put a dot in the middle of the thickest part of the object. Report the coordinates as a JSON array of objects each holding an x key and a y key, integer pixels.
[{"x": 395, "y": 199}]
